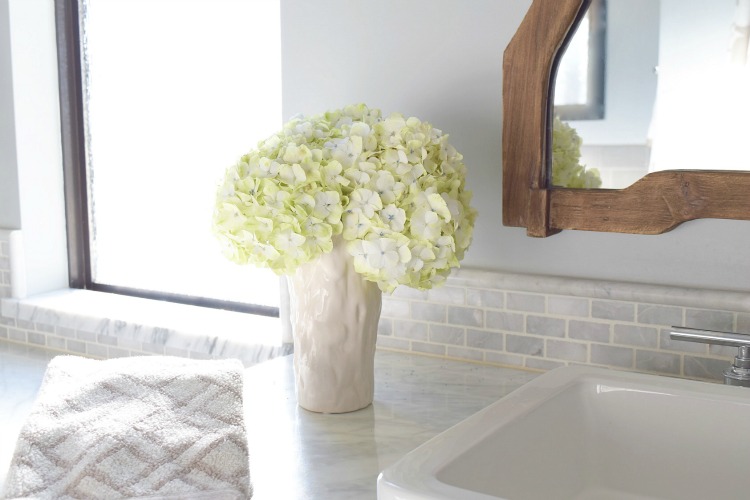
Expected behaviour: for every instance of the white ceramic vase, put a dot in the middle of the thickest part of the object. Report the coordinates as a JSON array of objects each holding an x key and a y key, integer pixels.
[{"x": 334, "y": 316}]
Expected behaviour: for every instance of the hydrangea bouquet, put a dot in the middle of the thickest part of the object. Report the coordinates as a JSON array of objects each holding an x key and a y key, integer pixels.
[
  {"x": 567, "y": 170},
  {"x": 391, "y": 188}
]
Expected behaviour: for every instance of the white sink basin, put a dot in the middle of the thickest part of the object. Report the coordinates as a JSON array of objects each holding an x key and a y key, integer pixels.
[{"x": 586, "y": 433}]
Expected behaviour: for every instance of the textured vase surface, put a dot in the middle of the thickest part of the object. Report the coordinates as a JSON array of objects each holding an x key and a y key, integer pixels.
[{"x": 334, "y": 316}]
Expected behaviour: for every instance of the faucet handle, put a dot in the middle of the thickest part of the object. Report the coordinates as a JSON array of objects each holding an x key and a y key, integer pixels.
[
  {"x": 739, "y": 372},
  {"x": 710, "y": 337}
]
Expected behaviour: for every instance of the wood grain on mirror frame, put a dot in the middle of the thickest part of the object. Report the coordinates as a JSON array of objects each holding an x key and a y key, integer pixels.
[{"x": 655, "y": 204}]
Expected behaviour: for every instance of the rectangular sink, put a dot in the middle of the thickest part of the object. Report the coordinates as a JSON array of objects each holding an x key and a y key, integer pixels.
[{"x": 586, "y": 433}]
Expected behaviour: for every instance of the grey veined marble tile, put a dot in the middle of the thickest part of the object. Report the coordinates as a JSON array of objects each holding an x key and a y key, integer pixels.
[
  {"x": 485, "y": 298},
  {"x": 447, "y": 294},
  {"x": 568, "y": 306},
  {"x": 413, "y": 330},
  {"x": 543, "y": 325},
  {"x": 426, "y": 311},
  {"x": 613, "y": 310},
  {"x": 445, "y": 334},
  {"x": 395, "y": 308},
  {"x": 525, "y": 302},
  {"x": 385, "y": 327},
  {"x": 465, "y": 316},
  {"x": 524, "y": 344},
  {"x": 589, "y": 330},
  {"x": 482, "y": 339},
  {"x": 743, "y": 322},
  {"x": 660, "y": 315},
  {"x": 643, "y": 336},
  {"x": 722, "y": 321},
  {"x": 17, "y": 335},
  {"x": 655, "y": 361},
  {"x": 706, "y": 368},
  {"x": 504, "y": 321},
  {"x": 36, "y": 338},
  {"x": 568, "y": 351},
  {"x": 621, "y": 357}
]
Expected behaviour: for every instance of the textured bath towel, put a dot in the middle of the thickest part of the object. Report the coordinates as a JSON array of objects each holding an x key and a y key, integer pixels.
[{"x": 141, "y": 427}]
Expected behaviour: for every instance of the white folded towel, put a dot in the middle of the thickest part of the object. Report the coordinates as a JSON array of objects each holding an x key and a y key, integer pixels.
[{"x": 140, "y": 427}]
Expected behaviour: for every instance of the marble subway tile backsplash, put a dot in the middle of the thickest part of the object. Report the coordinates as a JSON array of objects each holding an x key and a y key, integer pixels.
[
  {"x": 543, "y": 322},
  {"x": 534, "y": 322}
]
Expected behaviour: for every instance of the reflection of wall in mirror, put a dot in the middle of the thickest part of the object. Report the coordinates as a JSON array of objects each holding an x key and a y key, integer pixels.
[
  {"x": 702, "y": 110},
  {"x": 617, "y": 144},
  {"x": 739, "y": 45},
  {"x": 571, "y": 84}
]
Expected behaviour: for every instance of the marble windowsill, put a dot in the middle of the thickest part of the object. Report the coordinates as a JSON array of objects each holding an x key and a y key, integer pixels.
[
  {"x": 156, "y": 327},
  {"x": 299, "y": 454}
]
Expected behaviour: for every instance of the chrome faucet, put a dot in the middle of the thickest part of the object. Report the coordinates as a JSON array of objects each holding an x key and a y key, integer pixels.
[{"x": 739, "y": 372}]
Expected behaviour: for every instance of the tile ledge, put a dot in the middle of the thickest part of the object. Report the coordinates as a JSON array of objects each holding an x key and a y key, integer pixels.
[
  {"x": 599, "y": 289},
  {"x": 177, "y": 325}
]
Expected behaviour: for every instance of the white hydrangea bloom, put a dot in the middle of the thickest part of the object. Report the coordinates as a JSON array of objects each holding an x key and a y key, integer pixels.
[
  {"x": 393, "y": 216},
  {"x": 392, "y": 187},
  {"x": 365, "y": 201}
]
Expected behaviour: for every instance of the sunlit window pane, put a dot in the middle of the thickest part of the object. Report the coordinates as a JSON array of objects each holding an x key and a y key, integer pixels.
[{"x": 176, "y": 91}]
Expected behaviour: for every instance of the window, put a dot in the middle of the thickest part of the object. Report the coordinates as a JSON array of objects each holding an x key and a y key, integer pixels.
[
  {"x": 159, "y": 97},
  {"x": 579, "y": 82}
]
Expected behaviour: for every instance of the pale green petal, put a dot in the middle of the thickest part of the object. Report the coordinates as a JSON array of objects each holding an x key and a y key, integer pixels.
[{"x": 394, "y": 189}]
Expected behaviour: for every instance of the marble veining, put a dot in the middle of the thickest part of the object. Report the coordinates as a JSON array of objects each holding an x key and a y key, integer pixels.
[
  {"x": 146, "y": 326},
  {"x": 21, "y": 371},
  {"x": 296, "y": 454},
  {"x": 299, "y": 454}
]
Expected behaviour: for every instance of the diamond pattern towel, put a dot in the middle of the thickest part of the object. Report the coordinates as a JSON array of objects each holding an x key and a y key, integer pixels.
[{"x": 141, "y": 427}]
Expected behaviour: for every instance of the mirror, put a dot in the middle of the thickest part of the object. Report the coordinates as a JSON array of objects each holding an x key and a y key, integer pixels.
[
  {"x": 656, "y": 86},
  {"x": 656, "y": 203}
]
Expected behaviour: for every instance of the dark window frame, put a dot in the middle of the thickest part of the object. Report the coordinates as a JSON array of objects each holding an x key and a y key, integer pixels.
[{"x": 75, "y": 177}]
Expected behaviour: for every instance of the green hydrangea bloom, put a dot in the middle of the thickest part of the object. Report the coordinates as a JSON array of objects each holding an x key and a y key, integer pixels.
[
  {"x": 393, "y": 188},
  {"x": 567, "y": 170}
]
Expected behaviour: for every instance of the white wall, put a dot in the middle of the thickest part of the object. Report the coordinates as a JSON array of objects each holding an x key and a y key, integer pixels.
[
  {"x": 441, "y": 60},
  {"x": 10, "y": 215},
  {"x": 35, "y": 119}
]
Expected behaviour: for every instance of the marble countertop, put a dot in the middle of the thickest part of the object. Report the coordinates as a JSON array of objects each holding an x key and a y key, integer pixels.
[
  {"x": 297, "y": 454},
  {"x": 21, "y": 372}
]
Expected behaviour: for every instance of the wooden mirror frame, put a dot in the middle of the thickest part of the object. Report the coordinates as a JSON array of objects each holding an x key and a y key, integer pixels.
[{"x": 655, "y": 204}]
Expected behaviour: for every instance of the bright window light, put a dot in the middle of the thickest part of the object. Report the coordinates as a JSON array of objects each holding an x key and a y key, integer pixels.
[{"x": 177, "y": 90}]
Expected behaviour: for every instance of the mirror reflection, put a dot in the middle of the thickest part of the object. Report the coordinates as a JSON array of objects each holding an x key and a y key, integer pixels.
[{"x": 676, "y": 92}]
